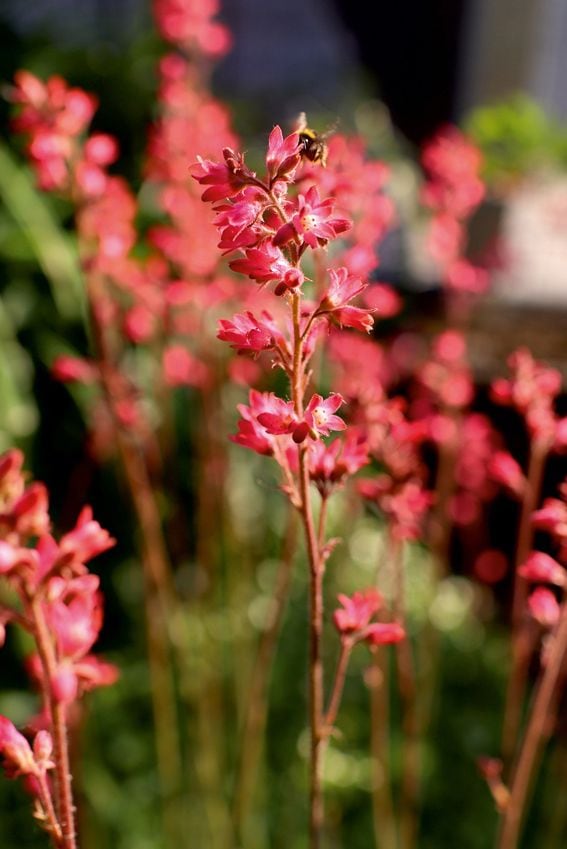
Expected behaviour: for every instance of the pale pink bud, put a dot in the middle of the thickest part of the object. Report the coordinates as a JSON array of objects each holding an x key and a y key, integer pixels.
[
  {"x": 541, "y": 567},
  {"x": 43, "y": 748},
  {"x": 8, "y": 557},
  {"x": 101, "y": 149},
  {"x": 544, "y": 607},
  {"x": 507, "y": 472},
  {"x": 64, "y": 684},
  {"x": 16, "y": 749},
  {"x": 73, "y": 369}
]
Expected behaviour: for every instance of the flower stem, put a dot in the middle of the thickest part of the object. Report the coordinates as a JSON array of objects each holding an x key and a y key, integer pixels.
[
  {"x": 63, "y": 794},
  {"x": 257, "y": 705},
  {"x": 522, "y": 634},
  {"x": 338, "y": 686},
  {"x": 531, "y": 745},
  {"x": 377, "y": 679},
  {"x": 315, "y": 660},
  {"x": 315, "y": 596},
  {"x": 159, "y": 594},
  {"x": 409, "y": 796}
]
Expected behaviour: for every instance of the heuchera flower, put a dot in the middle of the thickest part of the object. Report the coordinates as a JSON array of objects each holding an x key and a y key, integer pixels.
[
  {"x": 335, "y": 302},
  {"x": 74, "y": 370},
  {"x": 357, "y": 611},
  {"x": 283, "y": 155},
  {"x": 267, "y": 263},
  {"x": 225, "y": 179},
  {"x": 55, "y": 576},
  {"x": 311, "y": 221},
  {"x": 540, "y": 567},
  {"x": 544, "y": 607},
  {"x": 320, "y": 414},
  {"x": 531, "y": 389},
  {"x": 251, "y": 433},
  {"x": 330, "y": 464},
  {"x": 19, "y": 758},
  {"x": 246, "y": 333},
  {"x": 506, "y": 471},
  {"x": 190, "y": 25},
  {"x": 384, "y": 633},
  {"x": 353, "y": 620}
]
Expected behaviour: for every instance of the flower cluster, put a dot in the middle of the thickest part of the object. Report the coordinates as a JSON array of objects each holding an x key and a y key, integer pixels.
[
  {"x": 541, "y": 568},
  {"x": 271, "y": 229},
  {"x": 189, "y": 24},
  {"x": 453, "y": 191},
  {"x": 399, "y": 489},
  {"x": 532, "y": 390},
  {"x": 57, "y": 601}
]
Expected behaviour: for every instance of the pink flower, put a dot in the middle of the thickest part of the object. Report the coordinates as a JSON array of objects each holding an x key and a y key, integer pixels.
[
  {"x": 311, "y": 221},
  {"x": 17, "y": 752},
  {"x": 283, "y": 155},
  {"x": 319, "y": 414},
  {"x": 181, "y": 368},
  {"x": 342, "y": 289},
  {"x": 251, "y": 433},
  {"x": 29, "y": 515},
  {"x": 246, "y": 333},
  {"x": 384, "y": 633},
  {"x": 266, "y": 263},
  {"x": 544, "y": 607},
  {"x": 462, "y": 276},
  {"x": 73, "y": 369},
  {"x": 552, "y": 517},
  {"x": 384, "y": 299},
  {"x": 225, "y": 179},
  {"x": 357, "y": 611},
  {"x": 540, "y": 567},
  {"x": 101, "y": 149},
  {"x": 278, "y": 416},
  {"x": 330, "y": 464},
  {"x": 506, "y": 471},
  {"x": 85, "y": 541}
]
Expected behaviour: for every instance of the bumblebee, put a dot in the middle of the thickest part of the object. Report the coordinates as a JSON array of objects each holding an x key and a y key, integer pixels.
[{"x": 312, "y": 145}]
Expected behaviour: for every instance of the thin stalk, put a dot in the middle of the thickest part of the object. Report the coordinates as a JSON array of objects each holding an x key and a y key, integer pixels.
[
  {"x": 383, "y": 817},
  {"x": 428, "y": 646},
  {"x": 159, "y": 594},
  {"x": 54, "y": 828},
  {"x": 316, "y": 706},
  {"x": 338, "y": 686},
  {"x": 257, "y": 703},
  {"x": 63, "y": 795},
  {"x": 315, "y": 659},
  {"x": 405, "y": 666},
  {"x": 378, "y": 682},
  {"x": 531, "y": 745},
  {"x": 522, "y": 634}
]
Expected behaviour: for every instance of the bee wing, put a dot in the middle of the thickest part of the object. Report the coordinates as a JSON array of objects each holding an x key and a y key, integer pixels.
[
  {"x": 300, "y": 123},
  {"x": 331, "y": 130}
]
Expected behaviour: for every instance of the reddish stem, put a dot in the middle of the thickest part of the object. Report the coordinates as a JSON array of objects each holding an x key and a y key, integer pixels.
[
  {"x": 315, "y": 595},
  {"x": 409, "y": 796},
  {"x": 315, "y": 660},
  {"x": 53, "y": 828},
  {"x": 522, "y": 633},
  {"x": 63, "y": 793},
  {"x": 535, "y": 731},
  {"x": 338, "y": 686},
  {"x": 377, "y": 679}
]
